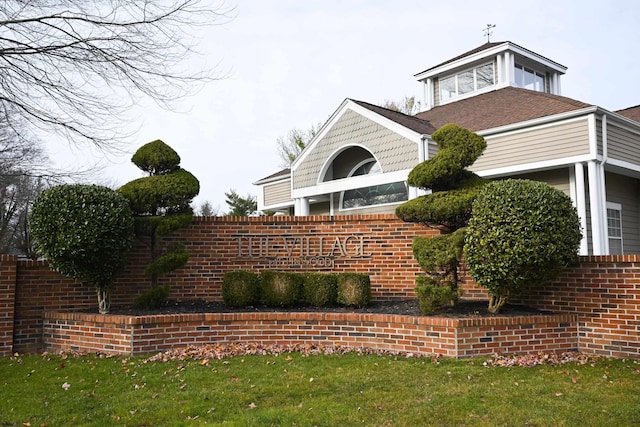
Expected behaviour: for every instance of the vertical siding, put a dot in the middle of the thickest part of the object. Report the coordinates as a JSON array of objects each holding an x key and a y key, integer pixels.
[
  {"x": 535, "y": 145},
  {"x": 392, "y": 150},
  {"x": 625, "y": 190}
]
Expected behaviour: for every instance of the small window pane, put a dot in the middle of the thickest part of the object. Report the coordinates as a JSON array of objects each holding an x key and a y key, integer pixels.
[
  {"x": 614, "y": 222},
  {"x": 484, "y": 76},
  {"x": 465, "y": 82},
  {"x": 528, "y": 79},
  {"x": 539, "y": 83},
  {"x": 447, "y": 88},
  {"x": 519, "y": 76}
]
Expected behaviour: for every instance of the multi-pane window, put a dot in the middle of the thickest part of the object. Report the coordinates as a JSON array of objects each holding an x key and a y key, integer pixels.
[
  {"x": 614, "y": 228},
  {"x": 529, "y": 79},
  {"x": 467, "y": 81},
  {"x": 374, "y": 195}
]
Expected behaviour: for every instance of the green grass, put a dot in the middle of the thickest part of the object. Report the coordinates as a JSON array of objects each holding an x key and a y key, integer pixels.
[{"x": 318, "y": 390}]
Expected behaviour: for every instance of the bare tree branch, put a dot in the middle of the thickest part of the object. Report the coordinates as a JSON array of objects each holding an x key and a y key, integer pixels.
[{"x": 76, "y": 66}]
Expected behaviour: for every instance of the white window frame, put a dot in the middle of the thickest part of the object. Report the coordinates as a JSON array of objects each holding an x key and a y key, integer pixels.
[
  {"x": 535, "y": 73},
  {"x": 615, "y": 207}
]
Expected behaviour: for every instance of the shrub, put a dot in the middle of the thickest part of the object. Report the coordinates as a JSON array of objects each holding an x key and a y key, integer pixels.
[
  {"x": 521, "y": 234},
  {"x": 280, "y": 289},
  {"x": 152, "y": 298},
  {"x": 354, "y": 289},
  {"x": 432, "y": 296},
  {"x": 85, "y": 232},
  {"x": 240, "y": 288},
  {"x": 161, "y": 204},
  {"x": 320, "y": 289}
]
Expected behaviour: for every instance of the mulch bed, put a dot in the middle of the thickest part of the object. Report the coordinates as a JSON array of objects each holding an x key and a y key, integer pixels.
[{"x": 409, "y": 308}]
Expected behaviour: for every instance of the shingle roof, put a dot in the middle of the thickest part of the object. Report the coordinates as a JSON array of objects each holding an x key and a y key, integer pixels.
[
  {"x": 500, "y": 108},
  {"x": 414, "y": 123},
  {"x": 632, "y": 113},
  {"x": 283, "y": 173}
]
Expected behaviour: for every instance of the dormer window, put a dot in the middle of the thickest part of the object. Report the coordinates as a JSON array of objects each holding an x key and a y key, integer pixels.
[
  {"x": 467, "y": 81},
  {"x": 529, "y": 79}
]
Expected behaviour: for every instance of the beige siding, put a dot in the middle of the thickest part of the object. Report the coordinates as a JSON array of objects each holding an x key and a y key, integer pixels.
[
  {"x": 623, "y": 144},
  {"x": 535, "y": 145},
  {"x": 557, "y": 178},
  {"x": 392, "y": 150},
  {"x": 277, "y": 193},
  {"x": 626, "y": 191}
]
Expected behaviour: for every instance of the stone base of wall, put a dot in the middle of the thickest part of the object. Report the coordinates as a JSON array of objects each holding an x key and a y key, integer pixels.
[{"x": 458, "y": 338}]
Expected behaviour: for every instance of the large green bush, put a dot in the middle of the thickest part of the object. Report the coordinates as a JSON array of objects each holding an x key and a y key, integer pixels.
[
  {"x": 85, "y": 232},
  {"x": 161, "y": 205},
  {"x": 521, "y": 234}
]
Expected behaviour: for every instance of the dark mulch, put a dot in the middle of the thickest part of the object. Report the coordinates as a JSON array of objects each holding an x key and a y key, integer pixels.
[{"x": 409, "y": 307}]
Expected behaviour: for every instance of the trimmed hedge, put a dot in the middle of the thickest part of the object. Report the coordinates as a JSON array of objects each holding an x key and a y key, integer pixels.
[
  {"x": 320, "y": 289},
  {"x": 280, "y": 289},
  {"x": 240, "y": 288},
  {"x": 354, "y": 289}
]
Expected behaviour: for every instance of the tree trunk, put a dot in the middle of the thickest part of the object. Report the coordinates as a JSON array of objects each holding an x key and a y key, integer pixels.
[
  {"x": 104, "y": 300},
  {"x": 496, "y": 302}
]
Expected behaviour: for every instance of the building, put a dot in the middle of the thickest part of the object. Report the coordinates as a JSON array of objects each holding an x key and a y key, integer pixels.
[{"x": 360, "y": 159}]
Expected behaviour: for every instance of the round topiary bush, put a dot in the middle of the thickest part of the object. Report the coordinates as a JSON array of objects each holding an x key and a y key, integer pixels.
[
  {"x": 320, "y": 289},
  {"x": 521, "y": 233},
  {"x": 85, "y": 232}
]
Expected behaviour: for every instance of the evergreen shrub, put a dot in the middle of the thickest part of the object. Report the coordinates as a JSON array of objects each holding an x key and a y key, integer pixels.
[
  {"x": 521, "y": 234},
  {"x": 431, "y": 296},
  {"x": 152, "y": 298},
  {"x": 240, "y": 288},
  {"x": 320, "y": 289},
  {"x": 354, "y": 289},
  {"x": 280, "y": 289}
]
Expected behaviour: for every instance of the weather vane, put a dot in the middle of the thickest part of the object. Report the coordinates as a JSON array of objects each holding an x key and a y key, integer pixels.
[{"x": 488, "y": 31}]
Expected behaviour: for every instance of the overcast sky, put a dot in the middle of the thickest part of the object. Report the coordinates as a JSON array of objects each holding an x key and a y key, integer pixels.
[{"x": 291, "y": 63}]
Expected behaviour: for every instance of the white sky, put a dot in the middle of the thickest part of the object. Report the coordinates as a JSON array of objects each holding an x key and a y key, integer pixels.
[{"x": 291, "y": 63}]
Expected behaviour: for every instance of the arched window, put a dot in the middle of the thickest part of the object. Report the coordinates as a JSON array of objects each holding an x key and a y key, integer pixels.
[{"x": 376, "y": 194}]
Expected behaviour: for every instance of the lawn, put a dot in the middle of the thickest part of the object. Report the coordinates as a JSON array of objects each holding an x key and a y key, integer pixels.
[{"x": 299, "y": 389}]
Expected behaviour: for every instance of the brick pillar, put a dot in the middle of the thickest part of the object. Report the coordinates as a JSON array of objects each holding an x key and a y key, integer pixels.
[{"x": 8, "y": 267}]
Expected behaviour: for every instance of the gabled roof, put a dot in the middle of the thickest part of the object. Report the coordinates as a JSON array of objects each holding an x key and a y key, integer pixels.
[
  {"x": 500, "y": 108},
  {"x": 411, "y": 122},
  {"x": 632, "y": 113}
]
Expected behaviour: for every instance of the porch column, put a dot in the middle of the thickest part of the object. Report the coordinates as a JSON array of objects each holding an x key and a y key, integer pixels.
[
  {"x": 301, "y": 207},
  {"x": 578, "y": 194},
  {"x": 598, "y": 206}
]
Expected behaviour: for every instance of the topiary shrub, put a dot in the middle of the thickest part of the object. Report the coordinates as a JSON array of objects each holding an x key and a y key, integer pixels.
[
  {"x": 280, "y": 289},
  {"x": 320, "y": 289},
  {"x": 354, "y": 289},
  {"x": 240, "y": 288},
  {"x": 85, "y": 232},
  {"x": 447, "y": 208},
  {"x": 521, "y": 234},
  {"x": 161, "y": 205},
  {"x": 153, "y": 298}
]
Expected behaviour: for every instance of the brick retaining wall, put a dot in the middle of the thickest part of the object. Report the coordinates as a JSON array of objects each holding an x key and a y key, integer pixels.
[
  {"x": 604, "y": 292},
  {"x": 421, "y": 335}
]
